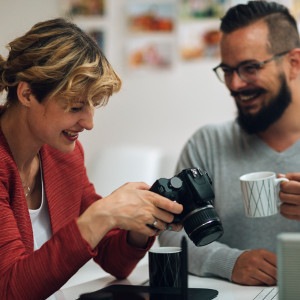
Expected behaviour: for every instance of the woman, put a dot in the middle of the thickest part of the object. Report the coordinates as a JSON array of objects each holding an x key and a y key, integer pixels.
[{"x": 52, "y": 221}]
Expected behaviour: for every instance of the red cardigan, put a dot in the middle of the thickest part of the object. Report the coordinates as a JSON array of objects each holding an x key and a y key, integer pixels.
[{"x": 27, "y": 274}]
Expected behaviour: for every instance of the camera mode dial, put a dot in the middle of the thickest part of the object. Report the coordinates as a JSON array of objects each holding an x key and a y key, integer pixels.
[{"x": 175, "y": 183}]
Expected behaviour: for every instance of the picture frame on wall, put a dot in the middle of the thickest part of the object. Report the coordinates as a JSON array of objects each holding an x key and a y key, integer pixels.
[
  {"x": 198, "y": 40},
  {"x": 90, "y": 16},
  {"x": 149, "y": 55},
  {"x": 74, "y": 8},
  {"x": 200, "y": 9},
  {"x": 150, "y": 35},
  {"x": 151, "y": 16},
  {"x": 98, "y": 36}
]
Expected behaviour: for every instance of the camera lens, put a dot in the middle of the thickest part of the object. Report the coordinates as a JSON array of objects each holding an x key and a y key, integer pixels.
[{"x": 203, "y": 225}]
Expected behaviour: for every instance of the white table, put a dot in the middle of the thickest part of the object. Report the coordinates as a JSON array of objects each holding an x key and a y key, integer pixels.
[{"x": 83, "y": 283}]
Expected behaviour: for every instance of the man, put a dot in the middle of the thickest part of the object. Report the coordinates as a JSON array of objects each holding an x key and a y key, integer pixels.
[{"x": 260, "y": 65}]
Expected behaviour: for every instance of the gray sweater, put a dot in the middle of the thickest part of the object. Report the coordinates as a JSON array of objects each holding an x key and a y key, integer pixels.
[{"x": 227, "y": 152}]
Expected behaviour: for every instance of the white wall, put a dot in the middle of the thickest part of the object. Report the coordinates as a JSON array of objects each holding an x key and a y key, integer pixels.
[
  {"x": 162, "y": 110},
  {"x": 157, "y": 109}
]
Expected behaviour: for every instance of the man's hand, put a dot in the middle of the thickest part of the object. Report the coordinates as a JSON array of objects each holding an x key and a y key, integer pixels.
[
  {"x": 290, "y": 196},
  {"x": 255, "y": 267}
]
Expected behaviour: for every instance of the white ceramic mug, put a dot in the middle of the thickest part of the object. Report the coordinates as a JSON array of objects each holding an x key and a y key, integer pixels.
[{"x": 261, "y": 194}]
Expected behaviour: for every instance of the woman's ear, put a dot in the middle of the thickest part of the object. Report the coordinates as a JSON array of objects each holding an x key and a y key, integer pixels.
[
  {"x": 294, "y": 63},
  {"x": 24, "y": 93}
]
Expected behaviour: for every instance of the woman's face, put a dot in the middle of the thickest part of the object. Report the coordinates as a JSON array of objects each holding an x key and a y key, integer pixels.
[{"x": 50, "y": 123}]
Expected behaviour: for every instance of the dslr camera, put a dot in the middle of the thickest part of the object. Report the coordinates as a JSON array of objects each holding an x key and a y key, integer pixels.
[{"x": 193, "y": 189}]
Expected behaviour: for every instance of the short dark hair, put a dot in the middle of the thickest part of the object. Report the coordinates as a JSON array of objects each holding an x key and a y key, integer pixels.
[{"x": 282, "y": 26}]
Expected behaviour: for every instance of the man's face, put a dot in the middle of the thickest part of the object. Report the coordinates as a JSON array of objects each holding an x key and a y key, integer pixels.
[
  {"x": 269, "y": 112},
  {"x": 262, "y": 102}
]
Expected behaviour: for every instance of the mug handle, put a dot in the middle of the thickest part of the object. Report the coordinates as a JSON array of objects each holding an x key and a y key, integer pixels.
[{"x": 277, "y": 181}]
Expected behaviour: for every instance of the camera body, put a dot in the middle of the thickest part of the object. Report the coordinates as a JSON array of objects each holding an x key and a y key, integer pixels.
[{"x": 193, "y": 189}]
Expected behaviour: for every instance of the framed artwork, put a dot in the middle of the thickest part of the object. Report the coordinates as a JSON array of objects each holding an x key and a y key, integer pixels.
[
  {"x": 75, "y": 8},
  {"x": 151, "y": 16},
  {"x": 98, "y": 36},
  {"x": 199, "y": 40},
  {"x": 90, "y": 16},
  {"x": 199, "y": 9},
  {"x": 145, "y": 54}
]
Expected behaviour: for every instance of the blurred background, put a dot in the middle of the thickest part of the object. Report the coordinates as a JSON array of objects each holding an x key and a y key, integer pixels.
[{"x": 164, "y": 51}]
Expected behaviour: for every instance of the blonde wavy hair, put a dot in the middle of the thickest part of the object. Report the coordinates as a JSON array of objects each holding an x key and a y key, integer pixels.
[{"x": 56, "y": 58}]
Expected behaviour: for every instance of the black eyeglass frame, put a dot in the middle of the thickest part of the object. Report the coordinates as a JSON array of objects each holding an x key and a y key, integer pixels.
[{"x": 257, "y": 65}]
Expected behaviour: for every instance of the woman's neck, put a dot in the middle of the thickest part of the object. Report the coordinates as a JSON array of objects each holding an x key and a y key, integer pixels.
[
  {"x": 18, "y": 137},
  {"x": 24, "y": 152}
]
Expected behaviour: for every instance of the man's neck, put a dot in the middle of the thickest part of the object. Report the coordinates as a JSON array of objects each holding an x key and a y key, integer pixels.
[
  {"x": 285, "y": 132},
  {"x": 280, "y": 143}
]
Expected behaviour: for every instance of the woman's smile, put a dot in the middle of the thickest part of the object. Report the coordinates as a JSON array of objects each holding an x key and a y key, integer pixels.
[{"x": 71, "y": 135}]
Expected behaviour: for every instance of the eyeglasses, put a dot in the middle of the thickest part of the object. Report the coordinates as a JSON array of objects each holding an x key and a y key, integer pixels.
[{"x": 246, "y": 70}]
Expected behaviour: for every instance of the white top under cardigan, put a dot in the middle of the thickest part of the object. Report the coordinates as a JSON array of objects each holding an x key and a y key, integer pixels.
[{"x": 40, "y": 221}]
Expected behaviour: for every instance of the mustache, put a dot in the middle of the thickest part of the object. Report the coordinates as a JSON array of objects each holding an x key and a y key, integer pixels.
[{"x": 248, "y": 92}]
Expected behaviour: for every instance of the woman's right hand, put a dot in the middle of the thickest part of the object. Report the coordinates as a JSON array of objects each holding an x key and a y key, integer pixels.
[{"x": 132, "y": 207}]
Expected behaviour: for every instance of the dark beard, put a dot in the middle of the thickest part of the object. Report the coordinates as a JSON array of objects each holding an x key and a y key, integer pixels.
[{"x": 269, "y": 114}]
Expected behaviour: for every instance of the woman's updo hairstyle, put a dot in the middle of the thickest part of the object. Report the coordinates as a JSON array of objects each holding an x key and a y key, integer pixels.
[{"x": 57, "y": 58}]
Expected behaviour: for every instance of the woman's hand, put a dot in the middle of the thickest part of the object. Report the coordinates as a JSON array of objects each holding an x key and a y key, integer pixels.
[{"x": 132, "y": 207}]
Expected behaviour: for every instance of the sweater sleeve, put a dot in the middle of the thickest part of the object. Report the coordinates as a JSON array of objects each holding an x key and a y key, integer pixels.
[
  {"x": 116, "y": 256},
  {"x": 39, "y": 274}
]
